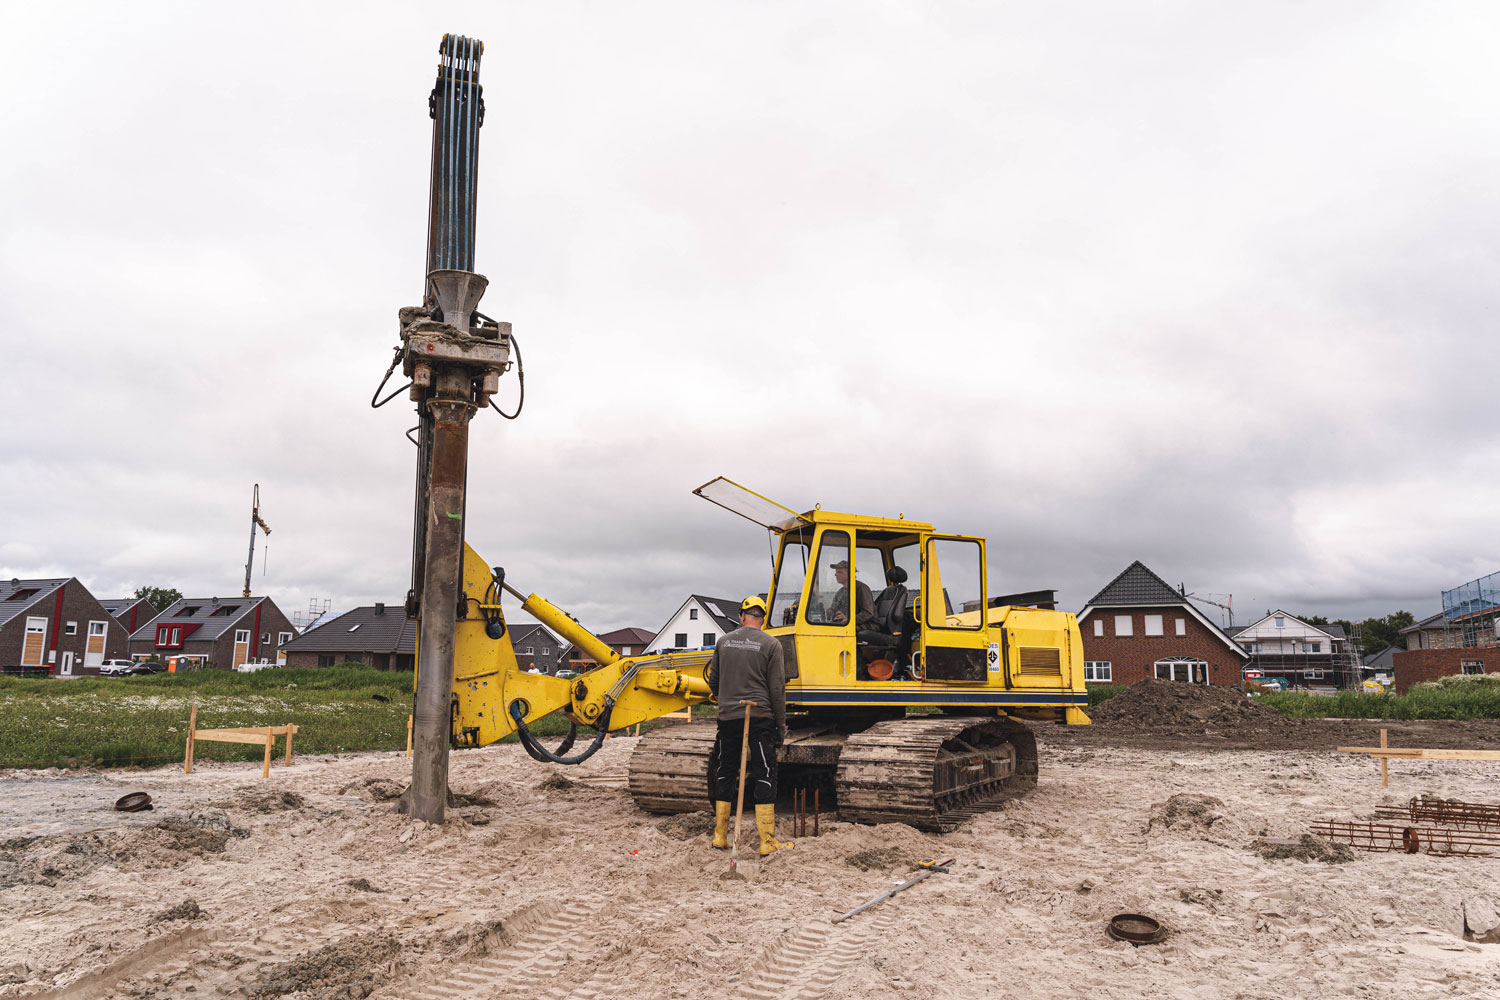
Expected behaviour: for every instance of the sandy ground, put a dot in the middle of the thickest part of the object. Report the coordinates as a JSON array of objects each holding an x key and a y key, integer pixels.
[{"x": 308, "y": 885}]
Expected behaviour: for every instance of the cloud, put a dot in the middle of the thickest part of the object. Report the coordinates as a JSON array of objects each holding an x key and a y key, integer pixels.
[{"x": 1182, "y": 284}]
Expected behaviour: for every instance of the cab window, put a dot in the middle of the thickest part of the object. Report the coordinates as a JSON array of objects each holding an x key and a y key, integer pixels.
[
  {"x": 789, "y": 576},
  {"x": 828, "y": 597},
  {"x": 954, "y": 584}
]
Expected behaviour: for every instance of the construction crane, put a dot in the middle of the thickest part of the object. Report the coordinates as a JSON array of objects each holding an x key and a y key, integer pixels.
[
  {"x": 984, "y": 661},
  {"x": 255, "y": 522},
  {"x": 1227, "y": 604}
]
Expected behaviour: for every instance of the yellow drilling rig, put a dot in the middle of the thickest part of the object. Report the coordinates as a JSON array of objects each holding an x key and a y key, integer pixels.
[{"x": 920, "y": 723}]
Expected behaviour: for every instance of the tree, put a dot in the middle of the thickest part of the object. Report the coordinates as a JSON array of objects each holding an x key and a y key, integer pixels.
[{"x": 159, "y": 598}]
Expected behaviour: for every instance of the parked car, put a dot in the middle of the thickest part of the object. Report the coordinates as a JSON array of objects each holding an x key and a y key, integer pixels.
[
  {"x": 148, "y": 667},
  {"x": 115, "y": 668}
]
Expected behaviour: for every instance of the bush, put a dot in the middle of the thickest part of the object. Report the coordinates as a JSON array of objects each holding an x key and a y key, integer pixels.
[{"x": 1099, "y": 693}]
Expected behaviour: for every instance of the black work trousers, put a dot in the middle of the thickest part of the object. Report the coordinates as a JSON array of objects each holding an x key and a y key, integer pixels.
[{"x": 760, "y": 770}]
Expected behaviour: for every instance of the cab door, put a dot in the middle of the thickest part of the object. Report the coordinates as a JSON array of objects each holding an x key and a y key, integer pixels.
[{"x": 955, "y": 640}]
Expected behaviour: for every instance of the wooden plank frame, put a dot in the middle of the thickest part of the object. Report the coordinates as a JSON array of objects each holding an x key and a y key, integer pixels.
[
  {"x": 1386, "y": 753},
  {"x": 252, "y": 735}
]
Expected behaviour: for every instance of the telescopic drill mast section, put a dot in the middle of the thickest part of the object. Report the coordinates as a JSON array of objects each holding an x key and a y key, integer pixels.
[
  {"x": 255, "y": 522},
  {"x": 455, "y": 357}
]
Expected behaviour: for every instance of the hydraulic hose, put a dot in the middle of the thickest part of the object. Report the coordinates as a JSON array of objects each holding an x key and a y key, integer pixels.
[{"x": 541, "y": 753}]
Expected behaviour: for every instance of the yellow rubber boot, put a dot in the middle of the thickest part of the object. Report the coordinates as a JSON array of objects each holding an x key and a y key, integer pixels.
[
  {"x": 765, "y": 822},
  {"x": 721, "y": 824}
]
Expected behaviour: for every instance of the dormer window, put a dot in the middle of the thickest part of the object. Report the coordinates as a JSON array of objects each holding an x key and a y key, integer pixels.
[
  {"x": 188, "y": 611},
  {"x": 21, "y": 595},
  {"x": 227, "y": 610}
]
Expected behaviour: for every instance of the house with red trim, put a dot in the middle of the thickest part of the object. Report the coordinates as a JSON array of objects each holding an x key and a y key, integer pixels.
[
  {"x": 131, "y": 612},
  {"x": 216, "y": 632},
  {"x": 56, "y": 626}
]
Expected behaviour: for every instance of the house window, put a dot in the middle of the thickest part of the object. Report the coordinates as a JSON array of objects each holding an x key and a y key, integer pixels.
[
  {"x": 528, "y": 651},
  {"x": 1317, "y": 647},
  {"x": 1313, "y": 673},
  {"x": 1099, "y": 626},
  {"x": 187, "y": 612},
  {"x": 624, "y": 650},
  {"x": 325, "y": 659},
  {"x": 1472, "y": 666},
  {"x": 177, "y": 637},
  {"x": 163, "y": 636},
  {"x": 265, "y": 637},
  {"x": 1122, "y": 625},
  {"x": 282, "y": 638},
  {"x": 692, "y": 614},
  {"x": 545, "y": 650},
  {"x": 242, "y": 635},
  {"x": 96, "y": 628},
  {"x": 1182, "y": 626},
  {"x": 71, "y": 628},
  {"x": 1097, "y": 670},
  {"x": 680, "y": 640},
  {"x": 1184, "y": 669},
  {"x": 1280, "y": 622},
  {"x": 1153, "y": 625},
  {"x": 708, "y": 638}
]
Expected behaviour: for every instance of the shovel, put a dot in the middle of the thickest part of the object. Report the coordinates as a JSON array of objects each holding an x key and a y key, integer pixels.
[{"x": 739, "y": 805}]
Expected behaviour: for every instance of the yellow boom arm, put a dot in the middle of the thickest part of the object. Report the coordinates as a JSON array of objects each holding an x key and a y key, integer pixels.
[{"x": 488, "y": 683}]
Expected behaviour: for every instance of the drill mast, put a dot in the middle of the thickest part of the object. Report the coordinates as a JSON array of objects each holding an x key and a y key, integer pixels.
[{"x": 255, "y": 522}]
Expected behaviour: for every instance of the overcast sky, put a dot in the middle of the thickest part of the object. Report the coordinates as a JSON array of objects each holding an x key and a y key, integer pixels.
[{"x": 1210, "y": 286}]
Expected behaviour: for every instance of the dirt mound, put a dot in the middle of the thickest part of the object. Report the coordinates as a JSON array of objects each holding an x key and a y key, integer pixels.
[
  {"x": 196, "y": 833},
  {"x": 557, "y": 782},
  {"x": 687, "y": 826},
  {"x": 265, "y": 800},
  {"x": 185, "y": 910},
  {"x": 362, "y": 884},
  {"x": 345, "y": 970},
  {"x": 1305, "y": 848},
  {"x": 374, "y": 789},
  {"x": 1154, "y": 704},
  {"x": 881, "y": 858},
  {"x": 1186, "y": 813},
  {"x": 50, "y": 860}
]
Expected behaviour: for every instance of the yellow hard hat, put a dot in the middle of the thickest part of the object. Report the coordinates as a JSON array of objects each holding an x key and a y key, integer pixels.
[{"x": 753, "y": 606}]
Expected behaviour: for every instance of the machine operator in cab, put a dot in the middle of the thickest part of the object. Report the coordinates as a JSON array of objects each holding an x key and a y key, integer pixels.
[{"x": 747, "y": 665}]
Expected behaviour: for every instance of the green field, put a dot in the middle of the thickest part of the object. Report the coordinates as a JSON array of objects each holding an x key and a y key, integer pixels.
[{"x": 143, "y": 720}]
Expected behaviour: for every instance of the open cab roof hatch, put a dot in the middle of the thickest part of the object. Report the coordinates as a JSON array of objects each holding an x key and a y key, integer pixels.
[{"x": 750, "y": 505}]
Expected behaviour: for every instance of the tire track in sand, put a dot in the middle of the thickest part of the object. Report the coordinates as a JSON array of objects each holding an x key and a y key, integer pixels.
[{"x": 803, "y": 963}]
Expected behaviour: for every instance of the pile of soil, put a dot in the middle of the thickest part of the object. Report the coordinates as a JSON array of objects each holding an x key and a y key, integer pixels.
[
  {"x": 1154, "y": 704},
  {"x": 881, "y": 858},
  {"x": 1306, "y": 848},
  {"x": 1186, "y": 812},
  {"x": 346, "y": 970},
  {"x": 185, "y": 910}
]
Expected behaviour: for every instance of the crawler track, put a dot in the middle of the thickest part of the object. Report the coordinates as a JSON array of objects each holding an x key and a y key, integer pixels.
[{"x": 932, "y": 772}]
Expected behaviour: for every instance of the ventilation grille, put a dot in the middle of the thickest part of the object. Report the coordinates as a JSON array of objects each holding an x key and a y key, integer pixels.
[{"x": 1040, "y": 661}]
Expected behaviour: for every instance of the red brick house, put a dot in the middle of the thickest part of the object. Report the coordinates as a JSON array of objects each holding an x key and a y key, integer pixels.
[
  {"x": 628, "y": 641},
  {"x": 130, "y": 612},
  {"x": 56, "y": 626},
  {"x": 1412, "y": 666},
  {"x": 218, "y": 632},
  {"x": 1139, "y": 627}
]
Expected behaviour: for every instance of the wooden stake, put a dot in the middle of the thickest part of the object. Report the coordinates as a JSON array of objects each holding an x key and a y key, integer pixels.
[
  {"x": 187, "y": 760},
  {"x": 291, "y": 730},
  {"x": 408, "y": 735},
  {"x": 1384, "y": 763},
  {"x": 265, "y": 771}
]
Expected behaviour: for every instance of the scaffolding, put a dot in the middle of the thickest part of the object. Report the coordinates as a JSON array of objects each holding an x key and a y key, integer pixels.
[{"x": 1471, "y": 614}]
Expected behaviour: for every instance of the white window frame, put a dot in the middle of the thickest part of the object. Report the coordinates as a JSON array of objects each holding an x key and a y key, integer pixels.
[
  {"x": 692, "y": 614},
  {"x": 1127, "y": 621},
  {"x": 70, "y": 628},
  {"x": 103, "y": 629},
  {"x": 282, "y": 638},
  {"x": 1099, "y": 627},
  {"x": 242, "y": 635},
  {"x": 1151, "y": 625},
  {"x": 1182, "y": 626},
  {"x": 545, "y": 651},
  {"x": 1464, "y": 667},
  {"x": 1101, "y": 671},
  {"x": 1313, "y": 674},
  {"x": 265, "y": 638},
  {"x": 39, "y": 626},
  {"x": 528, "y": 651}
]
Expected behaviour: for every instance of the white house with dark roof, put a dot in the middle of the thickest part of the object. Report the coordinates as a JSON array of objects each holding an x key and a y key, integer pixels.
[
  {"x": 697, "y": 624},
  {"x": 1284, "y": 647}
]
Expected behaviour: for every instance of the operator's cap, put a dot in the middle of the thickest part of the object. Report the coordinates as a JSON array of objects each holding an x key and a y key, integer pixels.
[
  {"x": 841, "y": 564},
  {"x": 753, "y": 606}
]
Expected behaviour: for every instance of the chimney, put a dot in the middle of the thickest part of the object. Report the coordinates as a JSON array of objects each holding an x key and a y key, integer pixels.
[{"x": 379, "y": 608}]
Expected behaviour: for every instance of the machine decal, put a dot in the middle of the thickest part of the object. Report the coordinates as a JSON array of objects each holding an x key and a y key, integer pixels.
[{"x": 993, "y": 658}]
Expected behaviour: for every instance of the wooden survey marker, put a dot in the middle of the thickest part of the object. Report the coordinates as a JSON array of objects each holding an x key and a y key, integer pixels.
[
  {"x": 254, "y": 735},
  {"x": 1385, "y": 753}
]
